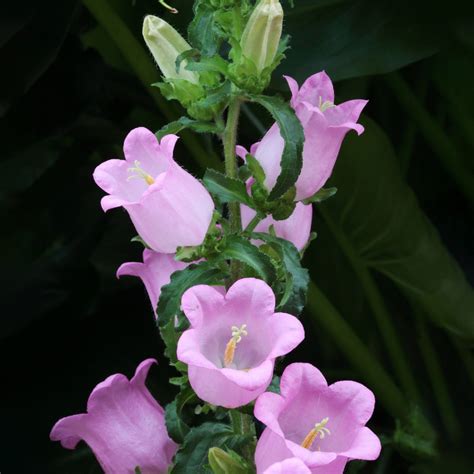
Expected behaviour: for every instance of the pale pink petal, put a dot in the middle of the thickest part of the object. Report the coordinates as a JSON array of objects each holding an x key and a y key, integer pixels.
[
  {"x": 142, "y": 145},
  {"x": 253, "y": 379},
  {"x": 269, "y": 154},
  {"x": 317, "y": 89},
  {"x": 287, "y": 333},
  {"x": 251, "y": 295},
  {"x": 241, "y": 152},
  {"x": 294, "y": 88},
  {"x": 271, "y": 448},
  {"x": 366, "y": 446},
  {"x": 213, "y": 387},
  {"x": 346, "y": 115},
  {"x": 288, "y": 466},
  {"x": 201, "y": 302}
]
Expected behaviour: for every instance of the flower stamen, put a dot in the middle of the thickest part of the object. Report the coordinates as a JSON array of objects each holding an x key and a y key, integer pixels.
[
  {"x": 237, "y": 334},
  {"x": 139, "y": 172},
  {"x": 318, "y": 430},
  {"x": 327, "y": 104}
]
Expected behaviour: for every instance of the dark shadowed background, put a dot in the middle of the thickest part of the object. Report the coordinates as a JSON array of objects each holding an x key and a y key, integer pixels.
[{"x": 393, "y": 261}]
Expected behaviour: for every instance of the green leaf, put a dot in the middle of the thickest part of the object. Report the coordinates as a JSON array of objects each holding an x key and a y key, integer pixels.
[
  {"x": 203, "y": 32},
  {"x": 238, "y": 248},
  {"x": 209, "y": 64},
  {"x": 177, "y": 428},
  {"x": 377, "y": 218},
  {"x": 170, "y": 297},
  {"x": 185, "y": 122},
  {"x": 292, "y": 133},
  {"x": 192, "y": 456},
  {"x": 297, "y": 284},
  {"x": 320, "y": 196},
  {"x": 226, "y": 189}
]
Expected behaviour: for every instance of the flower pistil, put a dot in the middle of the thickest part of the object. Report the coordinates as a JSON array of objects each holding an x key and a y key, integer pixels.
[
  {"x": 237, "y": 334},
  {"x": 139, "y": 172},
  {"x": 318, "y": 430}
]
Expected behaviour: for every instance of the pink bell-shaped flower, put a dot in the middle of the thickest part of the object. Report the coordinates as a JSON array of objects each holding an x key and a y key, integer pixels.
[
  {"x": 325, "y": 126},
  {"x": 155, "y": 272},
  {"x": 234, "y": 340},
  {"x": 169, "y": 207},
  {"x": 124, "y": 426},
  {"x": 323, "y": 426}
]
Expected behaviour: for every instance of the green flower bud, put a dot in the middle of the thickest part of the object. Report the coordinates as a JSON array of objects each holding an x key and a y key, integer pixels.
[
  {"x": 225, "y": 463},
  {"x": 166, "y": 44},
  {"x": 262, "y": 34}
]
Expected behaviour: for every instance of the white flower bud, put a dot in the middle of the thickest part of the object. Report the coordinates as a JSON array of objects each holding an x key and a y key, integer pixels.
[
  {"x": 166, "y": 44},
  {"x": 262, "y": 33}
]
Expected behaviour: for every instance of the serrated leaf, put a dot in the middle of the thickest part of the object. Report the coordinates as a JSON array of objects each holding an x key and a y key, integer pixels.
[
  {"x": 292, "y": 133},
  {"x": 238, "y": 248},
  {"x": 297, "y": 286},
  {"x": 226, "y": 189},
  {"x": 176, "y": 427},
  {"x": 203, "y": 32},
  {"x": 192, "y": 456},
  {"x": 185, "y": 122},
  {"x": 320, "y": 195},
  {"x": 170, "y": 297}
]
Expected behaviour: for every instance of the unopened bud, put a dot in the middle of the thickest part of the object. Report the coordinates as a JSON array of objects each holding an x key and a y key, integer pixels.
[
  {"x": 166, "y": 44},
  {"x": 224, "y": 463},
  {"x": 262, "y": 34}
]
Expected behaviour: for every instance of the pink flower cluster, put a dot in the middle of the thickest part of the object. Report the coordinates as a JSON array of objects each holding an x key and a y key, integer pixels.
[{"x": 234, "y": 336}]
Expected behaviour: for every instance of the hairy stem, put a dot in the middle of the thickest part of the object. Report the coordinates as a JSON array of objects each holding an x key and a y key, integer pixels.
[{"x": 229, "y": 139}]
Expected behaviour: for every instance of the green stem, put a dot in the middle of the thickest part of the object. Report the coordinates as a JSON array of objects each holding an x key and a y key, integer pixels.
[
  {"x": 438, "y": 381},
  {"x": 142, "y": 65},
  {"x": 243, "y": 425},
  {"x": 384, "y": 323},
  {"x": 326, "y": 317},
  {"x": 434, "y": 134},
  {"x": 253, "y": 223},
  {"x": 229, "y": 139}
]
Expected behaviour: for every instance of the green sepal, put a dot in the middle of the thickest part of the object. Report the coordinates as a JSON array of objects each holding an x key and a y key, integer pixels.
[
  {"x": 226, "y": 189},
  {"x": 292, "y": 133},
  {"x": 255, "y": 168},
  {"x": 212, "y": 103},
  {"x": 138, "y": 239},
  {"x": 181, "y": 90},
  {"x": 320, "y": 195},
  {"x": 186, "y": 122}
]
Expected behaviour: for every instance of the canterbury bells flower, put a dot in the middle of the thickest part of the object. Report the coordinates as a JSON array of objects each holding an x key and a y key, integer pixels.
[
  {"x": 166, "y": 44},
  {"x": 262, "y": 34}
]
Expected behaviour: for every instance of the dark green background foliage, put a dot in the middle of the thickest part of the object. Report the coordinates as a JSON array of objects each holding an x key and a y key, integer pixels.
[{"x": 391, "y": 303}]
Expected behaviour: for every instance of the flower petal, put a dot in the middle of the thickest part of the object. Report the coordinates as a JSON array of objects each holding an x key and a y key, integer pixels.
[
  {"x": 270, "y": 449},
  {"x": 365, "y": 446},
  {"x": 301, "y": 376},
  {"x": 142, "y": 145},
  {"x": 251, "y": 296},
  {"x": 288, "y": 466},
  {"x": 201, "y": 302},
  {"x": 253, "y": 379},
  {"x": 317, "y": 89},
  {"x": 288, "y": 332}
]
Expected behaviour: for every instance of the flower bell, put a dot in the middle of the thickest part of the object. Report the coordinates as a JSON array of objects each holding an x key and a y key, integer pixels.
[
  {"x": 262, "y": 34},
  {"x": 166, "y": 44}
]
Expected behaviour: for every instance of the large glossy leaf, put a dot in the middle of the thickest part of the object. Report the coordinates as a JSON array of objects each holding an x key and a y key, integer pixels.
[
  {"x": 357, "y": 38},
  {"x": 378, "y": 216}
]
